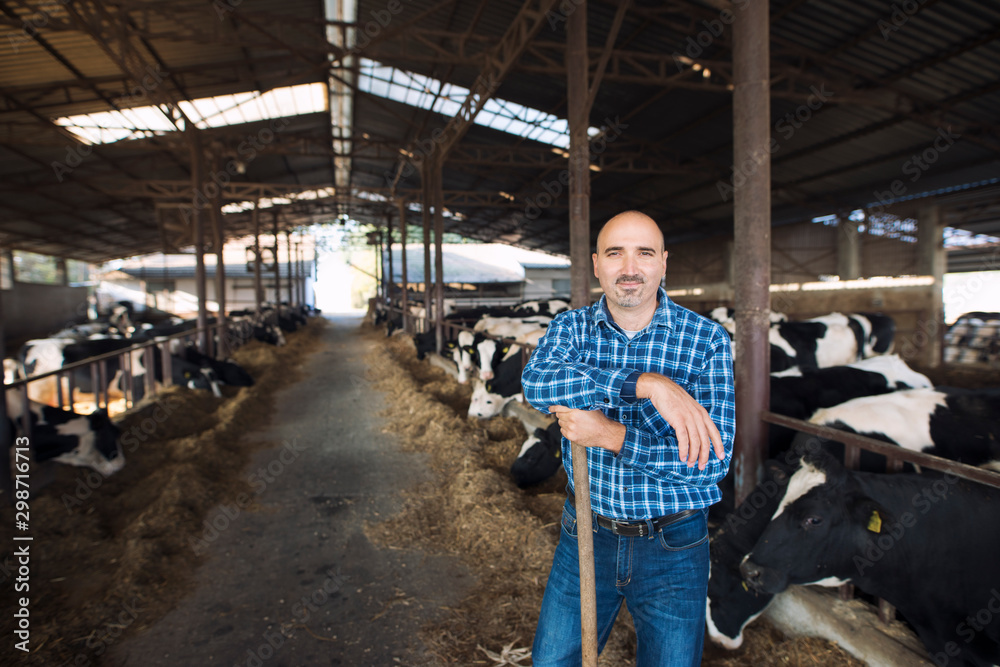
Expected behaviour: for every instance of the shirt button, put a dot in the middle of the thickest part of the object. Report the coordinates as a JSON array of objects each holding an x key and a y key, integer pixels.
[{"x": 606, "y": 400}]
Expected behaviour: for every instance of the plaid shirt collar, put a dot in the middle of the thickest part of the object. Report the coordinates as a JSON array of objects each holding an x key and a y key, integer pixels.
[{"x": 663, "y": 316}]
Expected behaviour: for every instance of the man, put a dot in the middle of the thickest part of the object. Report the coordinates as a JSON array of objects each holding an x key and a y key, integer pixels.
[{"x": 647, "y": 387}]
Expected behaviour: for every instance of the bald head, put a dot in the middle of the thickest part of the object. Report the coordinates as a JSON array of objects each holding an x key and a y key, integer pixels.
[{"x": 633, "y": 221}]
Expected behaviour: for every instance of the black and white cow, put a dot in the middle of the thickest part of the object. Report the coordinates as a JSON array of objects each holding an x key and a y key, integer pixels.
[
  {"x": 957, "y": 424},
  {"x": 800, "y": 396},
  {"x": 926, "y": 543},
  {"x": 246, "y": 325},
  {"x": 816, "y": 343},
  {"x": 539, "y": 458},
  {"x": 874, "y": 332},
  {"x": 465, "y": 354},
  {"x": 48, "y": 354},
  {"x": 62, "y": 436},
  {"x": 491, "y": 396},
  {"x": 550, "y": 307},
  {"x": 226, "y": 371},
  {"x": 727, "y": 318},
  {"x": 731, "y": 604}
]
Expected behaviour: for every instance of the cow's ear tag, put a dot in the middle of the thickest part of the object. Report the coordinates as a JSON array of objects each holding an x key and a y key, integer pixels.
[
  {"x": 875, "y": 522},
  {"x": 505, "y": 350},
  {"x": 745, "y": 587}
]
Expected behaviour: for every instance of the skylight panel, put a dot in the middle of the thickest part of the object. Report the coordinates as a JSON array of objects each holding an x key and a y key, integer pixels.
[
  {"x": 219, "y": 111},
  {"x": 446, "y": 99}
]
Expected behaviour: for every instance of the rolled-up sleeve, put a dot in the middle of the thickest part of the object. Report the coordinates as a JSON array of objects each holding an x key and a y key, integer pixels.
[{"x": 556, "y": 375}]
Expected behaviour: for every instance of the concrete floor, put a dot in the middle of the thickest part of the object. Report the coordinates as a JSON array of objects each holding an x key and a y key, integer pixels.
[{"x": 296, "y": 559}]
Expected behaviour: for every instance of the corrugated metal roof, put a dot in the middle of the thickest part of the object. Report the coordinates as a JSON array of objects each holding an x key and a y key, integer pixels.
[{"x": 859, "y": 90}]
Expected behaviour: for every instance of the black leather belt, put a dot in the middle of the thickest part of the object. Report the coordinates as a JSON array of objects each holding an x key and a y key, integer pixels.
[{"x": 637, "y": 528}]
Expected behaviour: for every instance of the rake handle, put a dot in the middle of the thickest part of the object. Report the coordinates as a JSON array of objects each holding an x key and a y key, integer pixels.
[{"x": 585, "y": 542}]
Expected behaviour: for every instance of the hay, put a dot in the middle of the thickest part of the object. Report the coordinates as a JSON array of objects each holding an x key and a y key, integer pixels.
[
  {"x": 102, "y": 546},
  {"x": 506, "y": 536}
]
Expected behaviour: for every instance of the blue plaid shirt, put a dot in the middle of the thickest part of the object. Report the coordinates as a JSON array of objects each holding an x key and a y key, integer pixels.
[{"x": 583, "y": 362}]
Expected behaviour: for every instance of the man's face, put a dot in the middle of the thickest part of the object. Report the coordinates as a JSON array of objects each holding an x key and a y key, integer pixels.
[{"x": 630, "y": 261}]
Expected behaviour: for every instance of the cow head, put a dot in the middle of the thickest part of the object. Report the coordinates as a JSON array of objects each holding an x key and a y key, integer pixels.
[
  {"x": 821, "y": 524},
  {"x": 540, "y": 457},
  {"x": 485, "y": 403},
  {"x": 491, "y": 352},
  {"x": 732, "y": 604}
]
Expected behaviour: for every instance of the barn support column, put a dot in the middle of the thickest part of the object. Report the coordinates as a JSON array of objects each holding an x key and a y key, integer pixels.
[
  {"x": 288, "y": 263},
  {"x": 277, "y": 265},
  {"x": 258, "y": 285},
  {"x": 300, "y": 267},
  {"x": 932, "y": 261},
  {"x": 848, "y": 248},
  {"x": 579, "y": 157},
  {"x": 752, "y": 238},
  {"x": 295, "y": 265},
  {"x": 388, "y": 252},
  {"x": 197, "y": 174},
  {"x": 425, "y": 177},
  {"x": 404, "y": 299},
  {"x": 436, "y": 169},
  {"x": 729, "y": 263},
  {"x": 220, "y": 275}
]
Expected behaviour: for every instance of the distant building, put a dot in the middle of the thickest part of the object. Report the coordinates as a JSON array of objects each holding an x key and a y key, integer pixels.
[
  {"x": 492, "y": 272},
  {"x": 167, "y": 282}
]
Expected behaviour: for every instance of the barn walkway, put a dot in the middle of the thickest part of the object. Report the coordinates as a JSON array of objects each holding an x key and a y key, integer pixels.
[{"x": 297, "y": 558}]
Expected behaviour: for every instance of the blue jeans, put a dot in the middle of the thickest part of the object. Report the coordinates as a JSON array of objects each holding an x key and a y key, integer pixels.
[{"x": 663, "y": 578}]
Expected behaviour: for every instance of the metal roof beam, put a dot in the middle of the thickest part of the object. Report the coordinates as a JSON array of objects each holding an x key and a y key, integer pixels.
[{"x": 522, "y": 30}]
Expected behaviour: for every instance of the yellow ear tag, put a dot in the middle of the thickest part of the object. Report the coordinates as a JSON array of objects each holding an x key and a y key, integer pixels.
[
  {"x": 745, "y": 587},
  {"x": 875, "y": 522}
]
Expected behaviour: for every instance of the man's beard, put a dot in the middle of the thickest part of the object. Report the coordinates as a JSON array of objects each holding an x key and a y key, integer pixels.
[{"x": 632, "y": 296}]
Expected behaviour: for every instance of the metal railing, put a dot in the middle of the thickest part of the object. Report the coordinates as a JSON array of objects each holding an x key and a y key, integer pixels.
[{"x": 100, "y": 380}]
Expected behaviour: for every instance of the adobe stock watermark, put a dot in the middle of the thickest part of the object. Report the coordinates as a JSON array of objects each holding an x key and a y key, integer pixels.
[
  {"x": 553, "y": 188},
  {"x": 483, "y": 88},
  {"x": 695, "y": 45},
  {"x": 786, "y": 126},
  {"x": 380, "y": 20},
  {"x": 892, "y": 532},
  {"x": 307, "y": 605},
  {"x": 30, "y": 25},
  {"x": 98, "y": 642},
  {"x": 302, "y": 610},
  {"x": 247, "y": 152},
  {"x": 227, "y": 513},
  {"x": 561, "y": 13},
  {"x": 926, "y": 333},
  {"x": 969, "y": 628},
  {"x": 915, "y": 168},
  {"x": 901, "y": 13},
  {"x": 90, "y": 480}
]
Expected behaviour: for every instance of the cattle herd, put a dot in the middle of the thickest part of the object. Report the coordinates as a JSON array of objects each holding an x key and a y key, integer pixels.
[
  {"x": 924, "y": 541},
  {"x": 93, "y": 440}
]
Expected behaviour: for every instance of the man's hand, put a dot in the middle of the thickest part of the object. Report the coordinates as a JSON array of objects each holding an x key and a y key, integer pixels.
[
  {"x": 590, "y": 428},
  {"x": 696, "y": 433}
]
